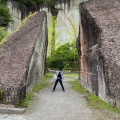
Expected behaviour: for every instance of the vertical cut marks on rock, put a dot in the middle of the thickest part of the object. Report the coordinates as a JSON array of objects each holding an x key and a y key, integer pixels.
[
  {"x": 89, "y": 32},
  {"x": 100, "y": 51}
]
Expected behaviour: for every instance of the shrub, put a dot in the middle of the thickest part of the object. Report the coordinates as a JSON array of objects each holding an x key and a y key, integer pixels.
[{"x": 63, "y": 57}]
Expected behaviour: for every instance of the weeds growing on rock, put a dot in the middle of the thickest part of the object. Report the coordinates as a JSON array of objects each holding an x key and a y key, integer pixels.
[{"x": 1, "y": 93}]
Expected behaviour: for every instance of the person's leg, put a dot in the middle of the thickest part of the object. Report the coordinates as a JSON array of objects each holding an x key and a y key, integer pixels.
[
  {"x": 56, "y": 82},
  {"x": 61, "y": 84}
]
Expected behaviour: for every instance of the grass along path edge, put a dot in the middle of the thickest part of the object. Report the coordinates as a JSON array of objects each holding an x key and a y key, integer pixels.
[
  {"x": 43, "y": 83},
  {"x": 92, "y": 100}
]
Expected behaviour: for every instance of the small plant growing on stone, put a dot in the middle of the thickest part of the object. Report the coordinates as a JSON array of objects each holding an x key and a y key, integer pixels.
[
  {"x": 3, "y": 33},
  {"x": 1, "y": 94}
]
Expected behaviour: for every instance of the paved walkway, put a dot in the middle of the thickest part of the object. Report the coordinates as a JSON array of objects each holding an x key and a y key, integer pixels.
[{"x": 58, "y": 105}]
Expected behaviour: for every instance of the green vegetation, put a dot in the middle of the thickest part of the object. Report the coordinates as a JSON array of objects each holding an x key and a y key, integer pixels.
[
  {"x": 63, "y": 57},
  {"x": 5, "y": 16},
  {"x": 96, "y": 102},
  {"x": 42, "y": 84},
  {"x": 72, "y": 29},
  {"x": 3, "y": 33},
  {"x": 92, "y": 100},
  {"x": 1, "y": 94},
  {"x": 29, "y": 3},
  {"x": 26, "y": 101},
  {"x": 53, "y": 35},
  {"x": 36, "y": 88},
  {"x": 78, "y": 87},
  {"x": 53, "y": 43}
]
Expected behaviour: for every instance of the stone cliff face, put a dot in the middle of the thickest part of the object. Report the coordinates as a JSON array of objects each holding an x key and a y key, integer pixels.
[
  {"x": 67, "y": 16},
  {"x": 99, "y": 47},
  {"x": 22, "y": 57},
  {"x": 18, "y": 12}
]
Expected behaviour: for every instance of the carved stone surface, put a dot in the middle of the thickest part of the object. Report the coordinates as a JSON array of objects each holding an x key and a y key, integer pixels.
[
  {"x": 18, "y": 13},
  {"x": 99, "y": 43},
  {"x": 22, "y": 57},
  {"x": 67, "y": 17}
]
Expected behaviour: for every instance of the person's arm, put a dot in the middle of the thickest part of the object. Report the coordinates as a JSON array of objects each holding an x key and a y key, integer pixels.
[{"x": 51, "y": 70}]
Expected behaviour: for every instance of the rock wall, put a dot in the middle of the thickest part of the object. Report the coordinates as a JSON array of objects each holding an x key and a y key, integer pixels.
[
  {"x": 99, "y": 48},
  {"x": 18, "y": 13},
  {"x": 67, "y": 17},
  {"x": 22, "y": 57}
]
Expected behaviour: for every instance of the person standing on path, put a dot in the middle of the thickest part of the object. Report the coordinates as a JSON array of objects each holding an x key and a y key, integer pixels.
[{"x": 59, "y": 75}]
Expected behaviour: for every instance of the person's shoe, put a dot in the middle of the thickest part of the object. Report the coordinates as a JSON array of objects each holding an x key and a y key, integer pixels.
[
  {"x": 63, "y": 90},
  {"x": 52, "y": 90}
]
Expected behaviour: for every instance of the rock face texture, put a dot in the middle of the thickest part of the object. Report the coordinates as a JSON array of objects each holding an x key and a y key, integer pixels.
[
  {"x": 18, "y": 13},
  {"x": 99, "y": 48},
  {"x": 22, "y": 57},
  {"x": 67, "y": 12}
]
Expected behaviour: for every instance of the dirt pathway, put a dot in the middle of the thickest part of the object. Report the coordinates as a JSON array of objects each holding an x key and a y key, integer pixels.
[{"x": 58, "y": 105}]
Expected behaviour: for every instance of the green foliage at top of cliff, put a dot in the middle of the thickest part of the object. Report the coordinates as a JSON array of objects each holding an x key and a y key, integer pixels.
[{"x": 29, "y": 3}]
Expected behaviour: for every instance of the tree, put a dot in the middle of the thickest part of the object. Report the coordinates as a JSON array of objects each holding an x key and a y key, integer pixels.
[
  {"x": 63, "y": 57},
  {"x": 29, "y": 3},
  {"x": 5, "y": 16}
]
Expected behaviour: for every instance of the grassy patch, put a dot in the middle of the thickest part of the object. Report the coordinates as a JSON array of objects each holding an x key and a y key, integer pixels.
[
  {"x": 98, "y": 103},
  {"x": 39, "y": 86},
  {"x": 48, "y": 75},
  {"x": 36, "y": 88},
  {"x": 92, "y": 100},
  {"x": 25, "y": 102},
  {"x": 78, "y": 87},
  {"x": 3, "y": 35}
]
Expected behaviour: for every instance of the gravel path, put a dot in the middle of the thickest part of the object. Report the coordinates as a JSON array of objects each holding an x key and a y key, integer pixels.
[{"x": 58, "y": 105}]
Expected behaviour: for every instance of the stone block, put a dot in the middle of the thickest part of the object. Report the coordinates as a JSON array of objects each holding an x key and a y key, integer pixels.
[
  {"x": 100, "y": 31},
  {"x": 22, "y": 56}
]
